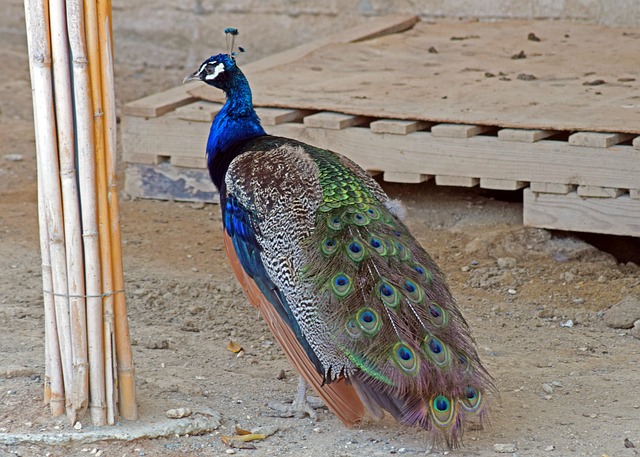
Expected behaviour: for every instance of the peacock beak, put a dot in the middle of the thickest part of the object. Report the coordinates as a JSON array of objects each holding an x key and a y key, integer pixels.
[{"x": 192, "y": 77}]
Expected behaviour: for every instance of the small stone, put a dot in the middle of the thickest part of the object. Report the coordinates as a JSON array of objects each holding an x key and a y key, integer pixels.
[
  {"x": 505, "y": 448},
  {"x": 557, "y": 384},
  {"x": 78, "y": 426},
  {"x": 635, "y": 331},
  {"x": 526, "y": 77},
  {"x": 512, "y": 291},
  {"x": 465, "y": 269},
  {"x": 550, "y": 448},
  {"x": 506, "y": 262},
  {"x": 265, "y": 430},
  {"x": 282, "y": 375},
  {"x": 548, "y": 397},
  {"x": 567, "y": 323},
  {"x": 14, "y": 157},
  {"x": 623, "y": 314},
  {"x": 532, "y": 37},
  {"x": 230, "y": 451},
  {"x": 178, "y": 413},
  {"x": 578, "y": 301},
  {"x": 547, "y": 387},
  {"x": 474, "y": 263}
]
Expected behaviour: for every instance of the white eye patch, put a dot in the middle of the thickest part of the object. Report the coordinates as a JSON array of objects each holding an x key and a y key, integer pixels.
[{"x": 216, "y": 71}]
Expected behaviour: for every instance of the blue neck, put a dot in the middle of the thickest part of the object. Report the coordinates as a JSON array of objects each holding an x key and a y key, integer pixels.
[{"x": 234, "y": 124}]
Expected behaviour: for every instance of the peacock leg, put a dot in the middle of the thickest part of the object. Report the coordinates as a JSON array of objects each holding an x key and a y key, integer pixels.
[{"x": 300, "y": 407}]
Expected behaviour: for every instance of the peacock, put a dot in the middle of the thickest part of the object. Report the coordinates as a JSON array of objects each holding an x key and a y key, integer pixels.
[{"x": 360, "y": 309}]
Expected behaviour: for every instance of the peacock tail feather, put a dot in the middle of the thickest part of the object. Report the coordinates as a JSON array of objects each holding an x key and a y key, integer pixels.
[{"x": 388, "y": 309}]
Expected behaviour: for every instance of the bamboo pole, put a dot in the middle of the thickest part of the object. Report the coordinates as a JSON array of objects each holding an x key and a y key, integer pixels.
[
  {"x": 40, "y": 60},
  {"x": 86, "y": 170},
  {"x": 53, "y": 388},
  {"x": 124, "y": 357},
  {"x": 78, "y": 394},
  {"x": 93, "y": 47}
]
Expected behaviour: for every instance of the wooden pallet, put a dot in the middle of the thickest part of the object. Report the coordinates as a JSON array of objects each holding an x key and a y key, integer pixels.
[{"x": 578, "y": 181}]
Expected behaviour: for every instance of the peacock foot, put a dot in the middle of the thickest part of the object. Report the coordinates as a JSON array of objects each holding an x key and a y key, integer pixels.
[{"x": 302, "y": 405}]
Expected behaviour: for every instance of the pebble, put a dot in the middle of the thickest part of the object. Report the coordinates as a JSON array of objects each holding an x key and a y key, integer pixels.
[
  {"x": 178, "y": 413},
  {"x": 568, "y": 323},
  {"x": 635, "y": 331},
  {"x": 14, "y": 157},
  {"x": 230, "y": 451},
  {"x": 505, "y": 448},
  {"x": 547, "y": 387},
  {"x": 550, "y": 448},
  {"x": 506, "y": 262},
  {"x": 78, "y": 426},
  {"x": 474, "y": 263},
  {"x": 512, "y": 291},
  {"x": 624, "y": 313}
]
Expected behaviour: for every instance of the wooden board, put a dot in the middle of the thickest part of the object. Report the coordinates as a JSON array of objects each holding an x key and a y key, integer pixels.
[
  {"x": 478, "y": 157},
  {"x": 616, "y": 216},
  {"x": 577, "y": 78},
  {"x": 163, "y": 102}
]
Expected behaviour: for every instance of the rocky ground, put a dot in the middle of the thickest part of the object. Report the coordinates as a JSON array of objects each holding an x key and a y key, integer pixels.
[{"x": 552, "y": 315}]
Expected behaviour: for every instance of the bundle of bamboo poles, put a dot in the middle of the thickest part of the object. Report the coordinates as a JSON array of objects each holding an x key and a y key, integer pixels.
[{"x": 87, "y": 348}]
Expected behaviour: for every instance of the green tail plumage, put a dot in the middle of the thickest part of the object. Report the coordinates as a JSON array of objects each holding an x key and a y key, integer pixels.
[{"x": 388, "y": 309}]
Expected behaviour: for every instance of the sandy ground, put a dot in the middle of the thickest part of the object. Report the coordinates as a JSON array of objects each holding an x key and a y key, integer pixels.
[{"x": 563, "y": 390}]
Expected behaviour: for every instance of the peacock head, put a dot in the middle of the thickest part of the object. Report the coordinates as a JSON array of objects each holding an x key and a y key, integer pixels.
[
  {"x": 217, "y": 71},
  {"x": 221, "y": 70}
]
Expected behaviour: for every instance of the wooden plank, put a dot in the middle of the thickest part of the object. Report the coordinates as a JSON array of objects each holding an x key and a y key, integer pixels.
[
  {"x": 371, "y": 29},
  {"x": 189, "y": 162},
  {"x": 140, "y": 157},
  {"x": 162, "y": 102},
  {"x": 598, "y": 139},
  {"x": 615, "y": 216},
  {"x": 164, "y": 136},
  {"x": 524, "y": 135},
  {"x": 636, "y": 142},
  {"x": 397, "y": 126},
  {"x": 479, "y": 156},
  {"x": 349, "y": 77},
  {"x": 501, "y": 184},
  {"x": 421, "y": 152},
  {"x": 599, "y": 192},
  {"x": 403, "y": 177},
  {"x": 276, "y": 116},
  {"x": 200, "y": 111},
  {"x": 634, "y": 193},
  {"x": 458, "y": 130},
  {"x": 333, "y": 121},
  {"x": 552, "y": 187},
  {"x": 460, "y": 181}
]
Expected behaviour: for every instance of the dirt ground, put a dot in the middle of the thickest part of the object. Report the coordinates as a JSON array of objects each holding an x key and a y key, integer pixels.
[{"x": 564, "y": 390}]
